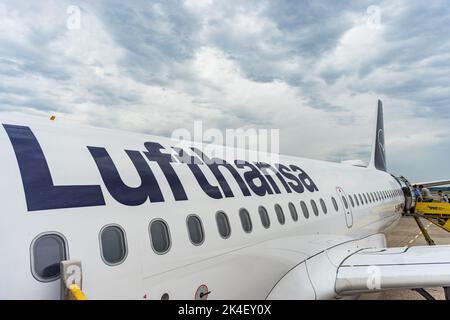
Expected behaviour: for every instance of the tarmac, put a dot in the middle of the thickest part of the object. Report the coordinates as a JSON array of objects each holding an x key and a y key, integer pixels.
[{"x": 407, "y": 233}]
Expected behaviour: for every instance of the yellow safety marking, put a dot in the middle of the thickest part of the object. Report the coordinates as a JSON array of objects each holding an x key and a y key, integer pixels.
[{"x": 76, "y": 292}]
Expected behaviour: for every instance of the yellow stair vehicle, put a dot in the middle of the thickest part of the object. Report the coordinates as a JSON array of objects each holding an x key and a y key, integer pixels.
[{"x": 436, "y": 212}]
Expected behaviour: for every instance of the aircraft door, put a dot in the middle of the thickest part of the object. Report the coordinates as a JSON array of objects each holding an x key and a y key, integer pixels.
[{"x": 345, "y": 206}]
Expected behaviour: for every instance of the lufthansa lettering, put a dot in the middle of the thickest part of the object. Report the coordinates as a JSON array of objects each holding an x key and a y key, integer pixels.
[{"x": 256, "y": 178}]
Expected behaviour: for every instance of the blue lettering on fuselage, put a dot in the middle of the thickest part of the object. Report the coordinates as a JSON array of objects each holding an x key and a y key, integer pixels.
[{"x": 41, "y": 193}]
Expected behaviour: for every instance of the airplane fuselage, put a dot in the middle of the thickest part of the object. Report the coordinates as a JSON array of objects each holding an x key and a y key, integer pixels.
[{"x": 74, "y": 181}]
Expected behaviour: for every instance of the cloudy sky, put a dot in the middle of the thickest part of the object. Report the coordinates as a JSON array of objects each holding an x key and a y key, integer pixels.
[{"x": 313, "y": 69}]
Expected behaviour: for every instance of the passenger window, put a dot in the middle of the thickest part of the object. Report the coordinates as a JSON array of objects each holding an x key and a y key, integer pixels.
[
  {"x": 293, "y": 211},
  {"x": 345, "y": 202},
  {"x": 48, "y": 251},
  {"x": 246, "y": 221},
  {"x": 264, "y": 217},
  {"x": 323, "y": 205},
  {"x": 223, "y": 224},
  {"x": 195, "y": 229},
  {"x": 360, "y": 199},
  {"x": 160, "y": 237},
  {"x": 351, "y": 201},
  {"x": 365, "y": 198},
  {"x": 368, "y": 196},
  {"x": 314, "y": 206},
  {"x": 113, "y": 245},
  {"x": 304, "y": 209},
  {"x": 335, "y": 205},
  {"x": 280, "y": 214},
  {"x": 356, "y": 199}
]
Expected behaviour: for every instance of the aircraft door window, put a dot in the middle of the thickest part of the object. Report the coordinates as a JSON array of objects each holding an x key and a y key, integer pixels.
[
  {"x": 323, "y": 205},
  {"x": 160, "y": 236},
  {"x": 246, "y": 221},
  {"x": 304, "y": 209},
  {"x": 264, "y": 217},
  {"x": 223, "y": 224},
  {"x": 195, "y": 229},
  {"x": 315, "y": 209},
  {"x": 335, "y": 205},
  {"x": 293, "y": 211},
  {"x": 113, "y": 245},
  {"x": 280, "y": 214},
  {"x": 47, "y": 251}
]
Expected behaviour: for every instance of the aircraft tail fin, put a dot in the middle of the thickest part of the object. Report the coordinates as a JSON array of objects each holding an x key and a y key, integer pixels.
[{"x": 378, "y": 156}]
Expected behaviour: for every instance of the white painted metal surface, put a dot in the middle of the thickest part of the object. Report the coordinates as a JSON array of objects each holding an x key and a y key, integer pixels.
[{"x": 394, "y": 268}]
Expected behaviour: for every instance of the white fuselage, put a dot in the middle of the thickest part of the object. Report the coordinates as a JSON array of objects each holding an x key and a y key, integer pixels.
[{"x": 246, "y": 265}]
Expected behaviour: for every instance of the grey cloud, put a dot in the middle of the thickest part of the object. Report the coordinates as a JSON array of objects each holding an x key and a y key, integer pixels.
[{"x": 158, "y": 42}]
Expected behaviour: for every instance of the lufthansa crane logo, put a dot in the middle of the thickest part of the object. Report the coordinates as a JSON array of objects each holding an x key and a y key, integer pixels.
[{"x": 382, "y": 150}]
